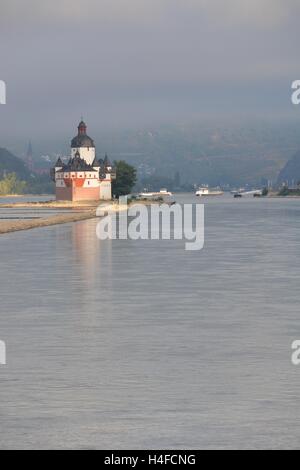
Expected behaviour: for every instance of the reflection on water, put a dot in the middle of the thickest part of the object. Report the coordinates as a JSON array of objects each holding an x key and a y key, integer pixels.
[
  {"x": 123, "y": 344},
  {"x": 89, "y": 253}
]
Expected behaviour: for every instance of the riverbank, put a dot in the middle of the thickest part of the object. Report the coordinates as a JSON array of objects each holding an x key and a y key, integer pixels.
[
  {"x": 79, "y": 205},
  {"x": 282, "y": 196},
  {"x": 78, "y": 211},
  {"x": 51, "y": 205},
  {"x": 5, "y": 196},
  {"x": 7, "y": 226}
]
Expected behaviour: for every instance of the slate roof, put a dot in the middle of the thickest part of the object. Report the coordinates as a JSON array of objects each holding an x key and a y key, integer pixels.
[{"x": 76, "y": 164}]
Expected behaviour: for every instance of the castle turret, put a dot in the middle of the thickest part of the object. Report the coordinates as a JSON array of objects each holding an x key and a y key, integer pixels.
[
  {"x": 83, "y": 144},
  {"x": 83, "y": 177}
]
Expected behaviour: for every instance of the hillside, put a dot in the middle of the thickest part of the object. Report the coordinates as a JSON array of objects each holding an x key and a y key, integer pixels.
[
  {"x": 35, "y": 184},
  {"x": 291, "y": 172},
  {"x": 9, "y": 163},
  {"x": 226, "y": 154}
]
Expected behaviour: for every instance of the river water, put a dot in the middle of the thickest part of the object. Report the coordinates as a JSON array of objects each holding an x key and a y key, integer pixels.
[{"x": 141, "y": 344}]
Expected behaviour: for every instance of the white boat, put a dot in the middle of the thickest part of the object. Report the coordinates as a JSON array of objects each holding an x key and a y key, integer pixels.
[
  {"x": 161, "y": 193},
  {"x": 165, "y": 192},
  {"x": 202, "y": 192}
]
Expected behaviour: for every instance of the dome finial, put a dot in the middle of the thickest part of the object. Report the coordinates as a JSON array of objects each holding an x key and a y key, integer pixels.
[{"x": 82, "y": 128}]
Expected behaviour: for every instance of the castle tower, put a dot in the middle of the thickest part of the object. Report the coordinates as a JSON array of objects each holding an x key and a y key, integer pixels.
[
  {"x": 83, "y": 145},
  {"x": 83, "y": 178}
]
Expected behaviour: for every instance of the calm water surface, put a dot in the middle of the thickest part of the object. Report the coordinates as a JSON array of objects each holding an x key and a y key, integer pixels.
[
  {"x": 28, "y": 212},
  {"x": 125, "y": 344},
  {"x": 29, "y": 198}
]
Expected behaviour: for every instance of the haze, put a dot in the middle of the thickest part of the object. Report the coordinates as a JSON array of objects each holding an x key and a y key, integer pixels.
[{"x": 133, "y": 63}]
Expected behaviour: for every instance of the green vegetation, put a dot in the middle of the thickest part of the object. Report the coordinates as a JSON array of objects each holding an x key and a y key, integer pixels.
[
  {"x": 15, "y": 177},
  {"x": 126, "y": 179},
  {"x": 10, "y": 184},
  {"x": 265, "y": 192},
  {"x": 285, "y": 191},
  {"x": 40, "y": 185}
]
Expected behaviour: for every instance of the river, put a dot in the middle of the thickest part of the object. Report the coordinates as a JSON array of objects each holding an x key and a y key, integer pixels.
[{"x": 143, "y": 345}]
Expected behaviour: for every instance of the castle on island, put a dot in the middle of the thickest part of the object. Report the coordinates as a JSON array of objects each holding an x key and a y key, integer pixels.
[{"x": 84, "y": 177}]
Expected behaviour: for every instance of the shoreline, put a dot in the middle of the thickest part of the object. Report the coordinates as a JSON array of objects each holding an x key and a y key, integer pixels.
[
  {"x": 19, "y": 225},
  {"x": 79, "y": 211},
  {"x": 283, "y": 197},
  {"x": 6, "y": 196},
  {"x": 86, "y": 205}
]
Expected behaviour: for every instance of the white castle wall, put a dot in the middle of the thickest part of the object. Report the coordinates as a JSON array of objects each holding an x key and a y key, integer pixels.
[
  {"x": 87, "y": 153},
  {"x": 105, "y": 190},
  {"x": 91, "y": 180}
]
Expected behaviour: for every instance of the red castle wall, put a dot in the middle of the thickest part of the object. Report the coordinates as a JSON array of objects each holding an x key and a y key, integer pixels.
[{"x": 77, "y": 194}]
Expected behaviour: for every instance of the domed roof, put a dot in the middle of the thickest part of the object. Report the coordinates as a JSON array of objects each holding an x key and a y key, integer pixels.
[{"x": 82, "y": 139}]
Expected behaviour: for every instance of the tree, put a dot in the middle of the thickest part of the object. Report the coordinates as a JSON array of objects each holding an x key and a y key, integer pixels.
[
  {"x": 10, "y": 184},
  {"x": 40, "y": 184},
  {"x": 284, "y": 191},
  {"x": 126, "y": 179}
]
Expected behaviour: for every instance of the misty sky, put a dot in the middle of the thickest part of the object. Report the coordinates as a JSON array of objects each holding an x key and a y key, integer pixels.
[{"x": 124, "y": 63}]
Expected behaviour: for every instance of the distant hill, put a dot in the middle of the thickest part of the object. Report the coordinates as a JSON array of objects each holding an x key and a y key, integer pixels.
[
  {"x": 9, "y": 163},
  {"x": 233, "y": 154},
  {"x": 291, "y": 172},
  {"x": 35, "y": 184}
]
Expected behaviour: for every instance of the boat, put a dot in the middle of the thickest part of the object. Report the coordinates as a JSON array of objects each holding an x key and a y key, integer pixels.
[
  {"x": 163, "y": 192},
  {"x": 202, "y": 192},
  {"x": 238, "y": 191},
  {"x": 254, "y": 193}
]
